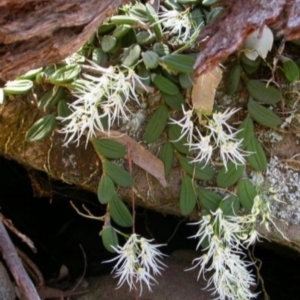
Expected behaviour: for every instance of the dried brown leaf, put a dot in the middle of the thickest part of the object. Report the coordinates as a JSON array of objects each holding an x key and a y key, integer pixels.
[
  {"x": 140, "y": 155},
  {"x": 204, "y": 91}
]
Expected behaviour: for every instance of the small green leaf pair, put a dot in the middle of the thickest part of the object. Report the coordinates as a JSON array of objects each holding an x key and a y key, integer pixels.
[
  {"x": 41, "y": 129},
  {"x": 107, "y": 195},
  {"x": 211, "y": 201}
]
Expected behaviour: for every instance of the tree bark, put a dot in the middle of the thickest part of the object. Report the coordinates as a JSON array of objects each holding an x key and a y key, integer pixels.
[{"x": 36, "y": 33}]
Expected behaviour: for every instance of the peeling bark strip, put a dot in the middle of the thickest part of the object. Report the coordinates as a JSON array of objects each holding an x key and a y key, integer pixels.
[
  {"x": 227, "y": 33},
  {"x": 36, "y": 33},
  {"x": 292, "y": 29}
]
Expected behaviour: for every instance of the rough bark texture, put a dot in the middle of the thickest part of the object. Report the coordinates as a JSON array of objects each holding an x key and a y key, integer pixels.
[
  {"x": 227, "y": 33},
  {"x": 36, "y": 33}
]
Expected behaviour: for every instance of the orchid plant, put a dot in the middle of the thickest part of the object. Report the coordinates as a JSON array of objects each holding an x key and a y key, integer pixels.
[{"x": 130, "y": 59}]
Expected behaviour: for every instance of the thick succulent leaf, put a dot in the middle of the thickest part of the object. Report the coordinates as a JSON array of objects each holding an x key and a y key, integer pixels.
[
  {"x": 263, "y": 115},
  {"x": 188, "y": 196},
  {"x": 174, "y": 132},
  {"x": 118, "y": 174},
  {"x": 233, "y": 79},
  {"x": 209, "y": 199},
  {"x": 65, "y": 74},
  {"x": 263, "y": 93},
  {"x": 119, "y": 212},
  {"x": 109, "y": 238},
  {"x": 230, "y": 206},
  {"x": 174, "y": 101},
  {"x": 246, "y": 192},
  {"x": 290, "y": 69},
  {"x": 106, "y": 189},
  {"x": 18, "y": 87},
  {"x": 229, "y": 177},
  {"x": 197, "y": 170},
  {"x": 109, "y": 148},
  {"x": 41, "y": 129},
  {"x": 156, "y": 124},
  {"x": 257, "y": 159},
  {"x": 165, "y": 85},
  {"x": 166, "y": 154},
  {"x": 246, "y": 131}
]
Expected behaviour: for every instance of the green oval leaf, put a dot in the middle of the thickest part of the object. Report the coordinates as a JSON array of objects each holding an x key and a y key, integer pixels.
[
  {"x": 51, "y": 98},
  {"x": 229, "y": 177},
  {"x": 174, "y": 101},
  {"x": 63, "y": 111},
  {"x": 165, "y": 85},
  {"x": 262, "y": 115},
  {"x": 246, "y": 192},
  {"x": 109, "y": 148},
  {"x": 230, "y": 206},
  {"x": 156, "y": 124},
  {"x": 245, "y": 131},
  {"x": 106, "y": 189},
  {"x": 290, "y": 70},
  {"x": 174, "y": 132},
  {"x": 265, "y": 94},
  {"x": 121, "y": 30},
  {"x": 118, "y": 174},
  {"x": 150, "y": 59},
  {"x": 186, "y": 80},
  {"x": 161, "y": 49},
  {"x": 145, "y": 76},
  {"x": 31, "y": 74},
  {"x": 249, "y": 62},
  {"x": 41, "y": 129},
  {"x": 145, "y": 38},
  {"x": 257, "y": 159},
  {"x": 209, "y": 199},
  {"x": 187, "y": 196},
  {"x": 196, "y": 170},
  {"x": 109, "y": 238},
  {"x": 108, "y": 43},
  {"x": 17, "y": 87},
  {"x": 154, "y": 20},
  {"x": 233, "y": 79},
  {"x": 178, "y": 62},
  {"x": 106, "y": 28},
  {"x": 99, "y": 57},
  {"x": 166, "y": 155},
  {"x": 131, "y": 55},
  {"x": 65, "y": 74},
  {"x": 119, "y": 212}
]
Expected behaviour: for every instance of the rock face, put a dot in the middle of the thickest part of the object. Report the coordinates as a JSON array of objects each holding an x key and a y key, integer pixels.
[{"x": 174, "y": 284}]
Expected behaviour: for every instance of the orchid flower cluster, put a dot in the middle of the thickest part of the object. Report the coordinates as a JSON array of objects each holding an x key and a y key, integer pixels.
[
  {"x": 100, "y": 100},
  {"x": 226, "y": 237},
  {"x": 219, "y": 135},
  {"x": 224, "y": 260},
  {"x": 138, "y": 261},
  {"x": 178, "y": 24}
]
